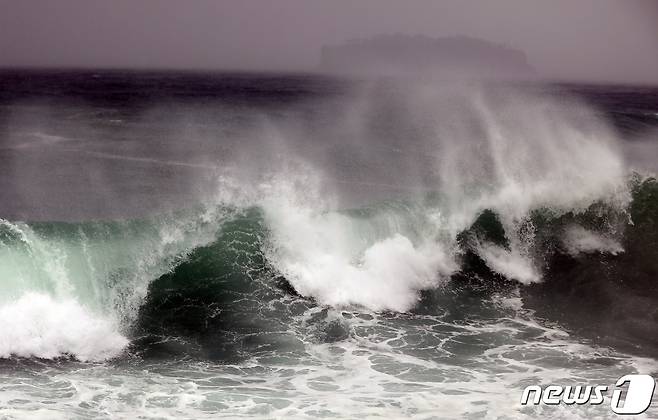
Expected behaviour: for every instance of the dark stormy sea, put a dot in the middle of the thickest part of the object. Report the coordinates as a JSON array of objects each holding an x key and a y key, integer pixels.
[{"x": 191, "y": 245}]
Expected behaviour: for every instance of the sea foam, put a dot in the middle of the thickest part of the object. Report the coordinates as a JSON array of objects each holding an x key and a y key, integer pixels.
[{"x": 36, "y": 325}]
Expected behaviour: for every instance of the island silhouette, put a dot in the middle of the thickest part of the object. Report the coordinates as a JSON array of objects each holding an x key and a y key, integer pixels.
[{"x": 449, "y": 57}]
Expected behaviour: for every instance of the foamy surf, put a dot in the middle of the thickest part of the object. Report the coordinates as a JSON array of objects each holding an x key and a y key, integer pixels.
[
  {"x": 519, "y": 163},
  {"x": 36, "y": 325}
]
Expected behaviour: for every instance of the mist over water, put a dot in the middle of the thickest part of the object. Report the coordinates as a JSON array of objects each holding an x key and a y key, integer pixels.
[
  {"x": 453, "y": 155},
  {"x": 257, "y": 244}
]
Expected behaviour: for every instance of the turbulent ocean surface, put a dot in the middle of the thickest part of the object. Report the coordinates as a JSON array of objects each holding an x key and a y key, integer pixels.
[{"x": 188, "y": 245}]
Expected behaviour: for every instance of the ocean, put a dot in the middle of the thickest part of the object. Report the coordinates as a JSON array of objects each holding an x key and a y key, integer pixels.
[{"x": 202, "y": 245}]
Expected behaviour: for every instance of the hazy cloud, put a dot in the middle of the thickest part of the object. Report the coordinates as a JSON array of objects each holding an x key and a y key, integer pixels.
[{"x": 576, "y": 39}]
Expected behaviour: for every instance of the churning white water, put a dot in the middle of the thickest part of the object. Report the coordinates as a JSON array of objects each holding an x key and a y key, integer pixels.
[{"x": 512, "y": 154}]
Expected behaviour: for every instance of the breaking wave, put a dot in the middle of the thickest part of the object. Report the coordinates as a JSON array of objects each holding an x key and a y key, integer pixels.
[{"x": 508, "y": 183}]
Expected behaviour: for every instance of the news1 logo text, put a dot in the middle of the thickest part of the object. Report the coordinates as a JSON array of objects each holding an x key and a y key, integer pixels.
[{"x": 634, "y": 399}]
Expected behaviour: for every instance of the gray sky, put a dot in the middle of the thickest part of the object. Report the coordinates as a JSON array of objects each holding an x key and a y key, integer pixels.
[{"x": 575, "y": 39}]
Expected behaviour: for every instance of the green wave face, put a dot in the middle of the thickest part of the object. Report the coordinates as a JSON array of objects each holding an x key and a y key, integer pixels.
[{"x": 106, "y": 266}]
